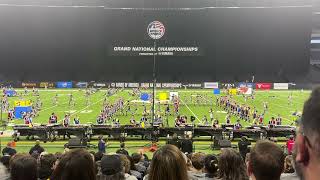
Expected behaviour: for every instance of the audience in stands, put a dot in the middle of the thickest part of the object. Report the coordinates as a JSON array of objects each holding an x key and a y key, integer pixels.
[
  {"x": 197, "y": 161},
  {"x": 231, "y": 165},
  {"x": 76, "y": 164},
  {"x": 8, "y": 150},
  {"x": 46, "y": 165},
  {"x": 122, "y": 149},
  {"x": 36, "y": 149},
  {"x": 210, "y": 166},
  {"x": 307, "y": 144},
  {"x": 138, "y": 161},
  {"x": 23, "y": 167},
  {"x": 266, "y": 161}
]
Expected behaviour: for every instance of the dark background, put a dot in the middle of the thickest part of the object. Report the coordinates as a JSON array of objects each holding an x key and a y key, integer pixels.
[{"x": 68, "y": 43}]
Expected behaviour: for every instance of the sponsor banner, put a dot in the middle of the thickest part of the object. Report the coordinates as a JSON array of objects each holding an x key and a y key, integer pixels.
[
  {"x": 132, "y": 85},
  {"x": 195, "y": 85},
  {"x": 99, "y": 85},
  {"x": 280, "y": 86},
  {"x": 227, "y": 85},
  {"x": 113, "y": 85},
  {"x": 263, "y": 86},
  {"x": 120, "y": 85},
  {"x": 46, "y": 84},
  {"x": 81, "y": 84},
  {"x": 64, "y": 84},
  {"x": 158, "y": 85},
  {"x": 144, "y": 85},
  {"x": 211, "y": 85},
  {"x": 171, "y": 85},
  {"x": 244, "y": 84},
  {"x": 29, "y": 84}
]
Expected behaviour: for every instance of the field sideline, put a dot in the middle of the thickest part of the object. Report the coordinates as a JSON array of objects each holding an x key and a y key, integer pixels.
[{"x": 277, "y": 101}]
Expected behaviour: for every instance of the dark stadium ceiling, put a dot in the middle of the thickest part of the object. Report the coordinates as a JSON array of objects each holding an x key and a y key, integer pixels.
[{"x": 164, "y": 3}]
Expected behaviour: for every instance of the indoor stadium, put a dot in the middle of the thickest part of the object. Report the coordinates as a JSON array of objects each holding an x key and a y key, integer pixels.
[{"x": 160, "y": 90}]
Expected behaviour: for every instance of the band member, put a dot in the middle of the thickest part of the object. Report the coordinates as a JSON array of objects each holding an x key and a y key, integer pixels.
[
  {"x": 133, "y": 121},
  {"x": 211, "y": 114},
  {"x": 205, "y": 121},
  {"x": 228, "y": 119},
  {"x": 265, "y": 107},
  {"x": 53, "y": 119},
  {"x": 167, "y": 112},
  {"x": 27, "y": 119},
  {"x": 272, "y": 121},
  {"x": 215, "y": 123},
  {"x": 66, "y": 120},
  {"x": 177, "y": 122},
  {"x": 116, "y": 123},
  {"x": 55, "y": 100},
  {"x": 128, "y": 108},
  {"x": 76, "y": 120},
  {"x": 279, "y": 120},
  {"x": 290, "y": 99},
  {"x": 238, "y": 125},
  {"x": 71, "y": 100},
  {"x": 11, "y": 114},
  {"x": 100, "y": 119},
  {"x": 25, "y": 91}
]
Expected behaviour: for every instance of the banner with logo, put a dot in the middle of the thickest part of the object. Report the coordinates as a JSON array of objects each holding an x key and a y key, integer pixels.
[
  {"x": 29, "y": 84},
  {"x": 192, "y": 85},
  {"x": 99, "y": 85},
  {"x": 81, "y": 84},
  {"x": 64, "y": 84},
  {"x": 244, "y": 84},
  {"x": 120, "y": 85},
  {"x": 144, "y": 85},
  {"x": 46, "y": 84},
  {"x": 132, "y": 85},
  {"x": 158, "y": 85},
  {"x": 171, "y": 85},
  {"x": 263, "y": 86},
  {"x": 280, "y": 85},
  {"x": 211, "y": 85},
  {"x": 227, "y": 85}
]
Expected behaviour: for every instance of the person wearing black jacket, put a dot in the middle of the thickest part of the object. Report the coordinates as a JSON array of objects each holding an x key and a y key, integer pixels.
[
  {"x": 243, "y": 146},
  {"x": 175, "y": 141},
  {"x": 187, "y": 145},
  {"x": 36, "y": 148},
  {"x": 9, "y": 150}
]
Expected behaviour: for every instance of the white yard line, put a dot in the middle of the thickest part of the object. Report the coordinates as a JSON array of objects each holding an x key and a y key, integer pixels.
[{"x": 191, "y": 111}]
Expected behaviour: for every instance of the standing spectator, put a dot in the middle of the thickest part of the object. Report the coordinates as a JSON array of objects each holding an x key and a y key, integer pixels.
[
  {"x": 243, "y": 146},
  {"x": 23, "y": 167},
  {"x": 122, "y": 149},
  {"x": 8, "y": 150},
  {"x": 77, "y": 164},
  {"x": 187, "y": 145},
  {"x": 266, "y": 161},
  {"x": 231, "y": 165},
  {"x": 36, "y": 148},
  {"x": 307, "y": 144},
  {"x": 168, "y": 163},
  {"x": 290, "y": 144},
  {"x": 102, "y": 145}
]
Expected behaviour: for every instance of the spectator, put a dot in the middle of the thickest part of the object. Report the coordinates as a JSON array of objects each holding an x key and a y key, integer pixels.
[
  {"x": 77, "y": 164},
  {"x": 36, "y": 148},
  {"x": 307, "y": 144},
  {"x": 23, "y": 167},
  {"x": 133, "y": 170},
  {"x": 111, "y": 168},
  {"x": 8, "y": 150},
  {"x": 231, "y": 165},
  {"x": 5, "y": 160},
  {"x": 102, "y": 145},
  {"x": 210, "y": 166},
  {"x": 243, "y": 146},
  {"x": 138, "y": 162},
  {"x": 175, "y": 141},
  {"x": 45, "y": 166},
  {"x": 266, "y": 161},
  {"x": 4, "y": 174},
  {"x": 197, "y": 160},
  {"x": 122, "y": 150},
  {"x": 186, "y": 145},
  {"x": 288, "y": 164},
  {"x": 125, "y": 163},
  {"x": 168, "y": 163},
  {"x": 290, "y": 144},
  {"x": 98, "y": 156}
]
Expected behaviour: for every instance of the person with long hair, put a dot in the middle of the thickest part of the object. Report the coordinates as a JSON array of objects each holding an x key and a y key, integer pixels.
[
  {"x": 168, "y": 163},
  {"x": 231, "y": 166}
]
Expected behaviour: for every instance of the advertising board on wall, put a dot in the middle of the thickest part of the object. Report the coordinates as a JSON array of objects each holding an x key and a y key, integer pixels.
[
  {"x": 263, "y": 86},
  {"x": 211, "y": 85},
  {"x": 64, "y": 84},
  {"x": 280, "y": 86}
]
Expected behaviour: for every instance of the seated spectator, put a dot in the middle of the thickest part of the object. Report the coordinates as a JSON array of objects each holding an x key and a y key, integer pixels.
[
  {"x": 231, "y": 165},
  {"x": 168, "y": 163},
  {"x": 5, "y": 160},
  {"x": 266, "y": 161},
  {"x": 8, "y": 150},
  {"x": 77, "y": 164},
  {"x": 133, "y": 170},
  {"x": 122, "y": 149},
  {"x": 139, "y": 163},
  {"x": 36, "y": 148},
  {"x": 197, "y": 160},
  {"x": 98, "y": 156},
  {"x": 210, "y": 166},
  {"x": 111, "y": 168},
  {"x": 307, "y": 144},
  {"x": 4, "y": 174},
  {"x": 23, "y": 167},
  {"x": 125, "y": 163},
  {"x": 45, "y": 166}
]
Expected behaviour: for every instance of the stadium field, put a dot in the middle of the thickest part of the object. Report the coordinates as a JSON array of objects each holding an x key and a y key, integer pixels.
[{"x": 193, "y": 102}]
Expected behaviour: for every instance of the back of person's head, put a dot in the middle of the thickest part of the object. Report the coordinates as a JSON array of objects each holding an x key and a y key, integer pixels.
[
  {"x": 136, "y": 157},
  {"x": 231, "y": 165},
  {"x": 76, "y": 164},
  {"x": 288, "y": 164},
  {"x": 23, "y": 167},
  {"x": 45, "y": 166},
  {"x": 168, "y": 163},
  {"x": 197, "y": 160},
  {"x": 266, "y": 161},
  {"x": 112, "y": 168},
  {"x": 5, "y": 160},
  {"x": 98, "y": 156},
  {"x": 211, "y": 164},
  {"x": 125, "y": 163}
]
